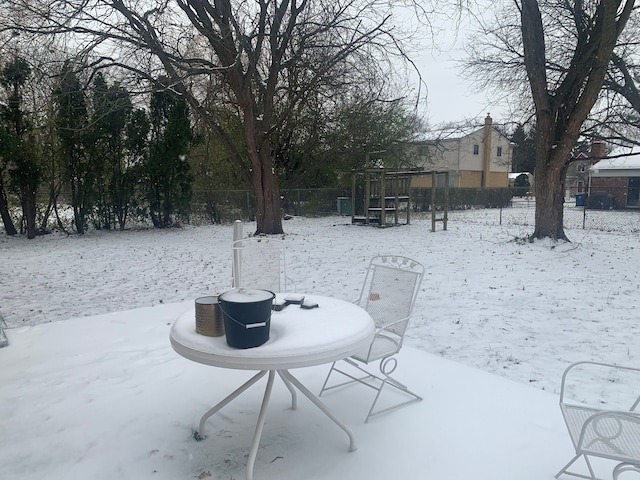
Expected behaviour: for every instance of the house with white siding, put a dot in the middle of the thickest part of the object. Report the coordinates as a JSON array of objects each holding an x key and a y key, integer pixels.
[{"x": 478, "y": 157}]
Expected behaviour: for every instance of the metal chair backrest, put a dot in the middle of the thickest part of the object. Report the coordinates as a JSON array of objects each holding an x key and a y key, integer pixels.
[
  {"x": 258, "y": 262},
  {"x": 389, "y": 293},
  {"x": 390, "y": 290}
]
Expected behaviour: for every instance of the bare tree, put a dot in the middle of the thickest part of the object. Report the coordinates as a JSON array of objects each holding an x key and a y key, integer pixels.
[
  {"x": 620, "y": 119},
  {"x": 562, "y": 109},
  {"x": 565, "y": 49},
  {"x": 268, "y": 58}
]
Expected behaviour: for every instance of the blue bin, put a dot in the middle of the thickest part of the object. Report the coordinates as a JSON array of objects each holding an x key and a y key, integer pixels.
[{"x": 580, "y": 197}]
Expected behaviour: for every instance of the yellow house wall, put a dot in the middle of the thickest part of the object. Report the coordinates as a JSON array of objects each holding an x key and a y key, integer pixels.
[
  {"x": 466, "y": 179},
  {"x": 474, "y": 179},
  {"x": 470, "y": 179},
  {"x": 498, "y": 180}
]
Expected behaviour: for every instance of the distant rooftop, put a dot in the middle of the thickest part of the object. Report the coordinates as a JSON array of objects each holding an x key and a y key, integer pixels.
[{"x": 626, "y": 162}]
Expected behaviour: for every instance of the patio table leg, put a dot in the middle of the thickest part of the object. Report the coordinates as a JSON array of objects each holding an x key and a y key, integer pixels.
[
  {"x": 316, "y": 401},
  {"x": 228, "y": 399},
  {"x": 258, "y": 433},
  {"x": 294, "y": 395}
]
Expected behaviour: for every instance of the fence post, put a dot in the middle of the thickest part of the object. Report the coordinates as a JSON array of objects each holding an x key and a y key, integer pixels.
[
  {"x": 235, "y": 266},
  {"x": 434, "y": 182},
  {"x": 445, "y": 207}
]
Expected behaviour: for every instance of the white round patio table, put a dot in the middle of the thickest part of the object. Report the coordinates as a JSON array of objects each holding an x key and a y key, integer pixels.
[{"x": 298, "y": 338}]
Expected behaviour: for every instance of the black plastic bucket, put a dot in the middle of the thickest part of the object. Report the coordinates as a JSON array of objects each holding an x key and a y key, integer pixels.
[{"x": 247, "y": 316}]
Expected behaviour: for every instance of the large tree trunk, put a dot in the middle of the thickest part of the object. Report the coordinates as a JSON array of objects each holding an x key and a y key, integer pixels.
[
  {"x": 264, "y": 179},
  {"x": 552, "y": 161},
  {"x": 549, "y": 191},
  {"x": 266, "y": 190}
]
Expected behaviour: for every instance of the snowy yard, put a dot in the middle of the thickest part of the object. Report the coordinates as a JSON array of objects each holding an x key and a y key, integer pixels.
[{"x": 490, "y": 304}]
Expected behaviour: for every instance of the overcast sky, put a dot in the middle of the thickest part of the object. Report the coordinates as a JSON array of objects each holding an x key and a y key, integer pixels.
[{"x": 450, "y": 96}]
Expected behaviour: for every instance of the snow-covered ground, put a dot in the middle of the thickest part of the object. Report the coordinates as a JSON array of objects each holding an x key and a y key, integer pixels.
[
  {"x": 489, "y": 301},
  {"x": 521, "y": 310}
]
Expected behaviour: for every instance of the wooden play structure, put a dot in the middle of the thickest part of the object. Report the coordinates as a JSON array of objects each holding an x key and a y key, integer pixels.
[{"x": 386, "y": 194}]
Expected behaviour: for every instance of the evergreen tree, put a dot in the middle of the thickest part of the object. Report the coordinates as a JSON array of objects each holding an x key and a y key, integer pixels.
[
  {"x": 111, "y": 112},
  {"x": 19, "y": 148},
  {"x": 5, "y": 139},
  {"x": 524, "y": 151},
  {"x": 72, "y": 122},
  {"x": 167, "y": 174},
  {"x": 125, "y": 190}
]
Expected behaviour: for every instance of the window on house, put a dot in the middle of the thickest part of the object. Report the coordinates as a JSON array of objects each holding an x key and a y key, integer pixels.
[
  {"x": 582, "y": 168},
  {"x": 441, "y": 181},
  {"x": 476, "y": 149},
  {"x": 499, "y": 151}
]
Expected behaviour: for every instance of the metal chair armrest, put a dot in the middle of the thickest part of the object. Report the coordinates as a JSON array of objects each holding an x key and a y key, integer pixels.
[
  {"x": 390, "y": 336},
  {"x": 389, "y": 327},
  {"x": 566, "y": 376}
]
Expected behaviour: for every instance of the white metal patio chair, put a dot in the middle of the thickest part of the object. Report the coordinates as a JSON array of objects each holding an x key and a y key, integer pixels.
[
  {"x": 388, "y": 294},
  {"x": 599, "y": 404},
  {"x": 259, "y": 262}
]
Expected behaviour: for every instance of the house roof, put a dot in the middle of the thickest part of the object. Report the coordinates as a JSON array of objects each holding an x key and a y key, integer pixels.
[
  {"x": 618, "y": 166},
  {"x": 455, "y": 132}
]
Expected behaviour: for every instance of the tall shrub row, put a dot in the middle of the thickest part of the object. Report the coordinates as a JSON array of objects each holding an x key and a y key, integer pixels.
[{"x": 115, "y": 155}]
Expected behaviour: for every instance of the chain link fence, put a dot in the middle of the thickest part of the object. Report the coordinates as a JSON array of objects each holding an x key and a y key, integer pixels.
[
  {"x": 577, "y": 215},
  {"x": 489, "y": 206},
  {"x": 498, "y": 206},
  {"x": 225, "y": 206}
]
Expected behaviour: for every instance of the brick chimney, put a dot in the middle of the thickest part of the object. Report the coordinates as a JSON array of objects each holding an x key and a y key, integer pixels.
[
  {"x": 598, "y": 149},
  {"x": 486, "y": 151}
]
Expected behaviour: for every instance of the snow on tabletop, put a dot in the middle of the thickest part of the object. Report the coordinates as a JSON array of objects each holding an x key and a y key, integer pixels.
[{"x": 294, "y": 331}]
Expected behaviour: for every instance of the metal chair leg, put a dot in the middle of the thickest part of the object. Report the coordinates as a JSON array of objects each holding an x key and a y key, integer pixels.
[
  {"x": 565, "y": 469},
  {"x": 624, "y": 467},
  {"x": 373, "y": 381}
]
